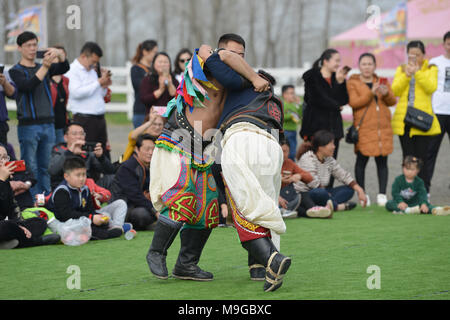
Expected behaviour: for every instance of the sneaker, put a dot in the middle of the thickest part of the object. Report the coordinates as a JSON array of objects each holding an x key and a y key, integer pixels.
[
  {"x": 350, "y": 206},
  {"x": 397, "y": 212},
  {"x": 413, "y": 210},
  {"x": 10, "y": 244},
  {"x": 330, "y": 205},
  {"x": 441, "y": 211},
  {"x": 286, "y": 214},
  {"x": 319, "y": 212},
  {"x": 381, "y": 199}
]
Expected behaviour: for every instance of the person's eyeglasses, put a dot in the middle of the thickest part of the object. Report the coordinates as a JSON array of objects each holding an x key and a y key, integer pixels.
[
  {"x": 184, "y": 60},
  {"x": 5, "y": 158},
  {"x": 82, "y": 134}
]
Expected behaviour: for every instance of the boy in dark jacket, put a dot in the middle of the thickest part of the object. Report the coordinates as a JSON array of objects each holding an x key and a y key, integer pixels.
[
  {"x": 131, "y": 184},
  {"x": 72, "y": 200}
]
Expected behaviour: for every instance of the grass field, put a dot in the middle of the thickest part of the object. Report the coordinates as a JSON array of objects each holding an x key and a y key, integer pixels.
[{"x": 329, "y": 261}]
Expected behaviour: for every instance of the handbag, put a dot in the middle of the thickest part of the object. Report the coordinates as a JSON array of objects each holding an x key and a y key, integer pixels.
[
  {"x": 352, "y": 134},
  {"x": 414, "y": 117}
]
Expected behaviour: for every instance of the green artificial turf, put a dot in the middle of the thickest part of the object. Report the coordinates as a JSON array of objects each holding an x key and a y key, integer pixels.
[{"x": 330, "y": 259}]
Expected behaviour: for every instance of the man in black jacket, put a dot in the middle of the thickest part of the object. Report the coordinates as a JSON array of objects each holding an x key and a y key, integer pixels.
[
  {"x": 131, "y": 184},
  {"x": 36, "y": 130},
  {"x": 98, "y": 165}
]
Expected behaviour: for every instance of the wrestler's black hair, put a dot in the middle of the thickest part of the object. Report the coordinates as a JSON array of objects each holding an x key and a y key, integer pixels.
[{"x": 230, "y": 37}]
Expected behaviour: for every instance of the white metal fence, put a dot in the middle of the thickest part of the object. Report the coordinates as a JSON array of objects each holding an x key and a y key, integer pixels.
[{"x": 122, "y": 84}]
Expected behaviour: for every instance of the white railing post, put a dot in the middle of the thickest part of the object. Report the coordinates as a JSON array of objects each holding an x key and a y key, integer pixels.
[{"x": 130, "y": 91}]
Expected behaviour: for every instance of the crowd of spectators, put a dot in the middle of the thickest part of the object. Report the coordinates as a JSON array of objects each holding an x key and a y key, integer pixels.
[{"x": 68, "y": 161}]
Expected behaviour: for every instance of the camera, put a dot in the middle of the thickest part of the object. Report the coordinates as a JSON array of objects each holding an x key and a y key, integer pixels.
[
  {"x": 89, "y": 146},
  {"x": 40, "y": 54},
  {"x": 2, "y": 68}
]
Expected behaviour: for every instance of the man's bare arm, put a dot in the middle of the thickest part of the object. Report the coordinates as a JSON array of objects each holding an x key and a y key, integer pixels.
[{"x": 238, "y": 64}]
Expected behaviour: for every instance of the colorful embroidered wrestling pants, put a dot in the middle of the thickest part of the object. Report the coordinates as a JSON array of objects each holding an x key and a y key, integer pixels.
[{"x": 183, "y": 192}]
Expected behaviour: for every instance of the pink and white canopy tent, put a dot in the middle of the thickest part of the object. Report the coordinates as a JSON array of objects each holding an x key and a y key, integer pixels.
[{"x": 427, "y": 20}]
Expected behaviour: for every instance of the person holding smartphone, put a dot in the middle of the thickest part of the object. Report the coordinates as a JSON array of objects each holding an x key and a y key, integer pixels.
[
  {"x": 414, "y": 83},
  {"x": 325, "y": 97},
  {"x": 36, "y": 129},
  {"x": 370, "y": 98},
  {"x": 7, "y": 89},
  {"x": 159, "y": 86}
]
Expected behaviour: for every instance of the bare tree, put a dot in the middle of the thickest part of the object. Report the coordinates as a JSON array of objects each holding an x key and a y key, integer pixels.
[
  {"x": 326, "y": 35},
  {"x": 270, "y": 57},
  {"x": 126, "y": 36}
]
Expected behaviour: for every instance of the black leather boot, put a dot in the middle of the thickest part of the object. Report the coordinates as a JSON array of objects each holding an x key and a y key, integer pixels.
[
  {"x": 276, "y": 264},
  {"x": 192, "y": 244},
  {"x": 165, "y": 232},
  {"x": 257, "y": 270}
]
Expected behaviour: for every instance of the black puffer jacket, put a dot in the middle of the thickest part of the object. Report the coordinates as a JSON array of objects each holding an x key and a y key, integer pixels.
[{"x": 322, "y": 104}]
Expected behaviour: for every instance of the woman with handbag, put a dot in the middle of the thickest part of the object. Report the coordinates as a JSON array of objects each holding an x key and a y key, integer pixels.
[
  {"x": 414, "y": 121},
  {"x": 370, "y": 98}
]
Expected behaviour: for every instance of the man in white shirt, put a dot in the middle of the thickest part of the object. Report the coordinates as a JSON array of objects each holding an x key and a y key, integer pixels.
[
  {"x": 441, "y": 107},
  {"x": 88, "y": 87}
]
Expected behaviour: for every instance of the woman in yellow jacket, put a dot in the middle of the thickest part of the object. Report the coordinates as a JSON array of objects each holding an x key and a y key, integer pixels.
[{"x": 414, "y": 142}]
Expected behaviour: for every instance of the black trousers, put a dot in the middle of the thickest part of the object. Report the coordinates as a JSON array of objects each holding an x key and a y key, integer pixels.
[
  {"x": 141, "y": 218},
  {"x": 382, "y": 171},
  {"x": 10, "y": 230},
  {"x": 416, "y": 146},
  {"x": 4, "y": 128},
  {"x": 434, "y": 146},
  {"x": 306, "y": 204}
]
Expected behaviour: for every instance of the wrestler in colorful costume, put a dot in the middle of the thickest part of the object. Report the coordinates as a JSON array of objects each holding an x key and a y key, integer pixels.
[
  {"x": 251, "y": 162},
  {"x": 182, "y": 187}
]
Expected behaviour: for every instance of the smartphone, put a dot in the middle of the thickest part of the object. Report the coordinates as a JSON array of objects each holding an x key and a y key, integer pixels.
[
  {"x": 383, "y": 81},
  {"x": 99, "y": 70},
  {"x": 346, "y": 69},
  {"x": 40, "y": 54},
  {"x": 160, "y": 109},
  {"x": 89, "y": 146},
  {"x": 2, "y": 68},
  {"x": 20, "y": 165}
]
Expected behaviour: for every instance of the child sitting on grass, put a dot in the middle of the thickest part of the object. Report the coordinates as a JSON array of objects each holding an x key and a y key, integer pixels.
[
  {"x": 409, "y": 194},
  {"x": 72, "y": 200}
]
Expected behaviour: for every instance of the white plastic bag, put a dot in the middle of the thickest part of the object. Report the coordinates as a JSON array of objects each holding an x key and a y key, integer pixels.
[{"x": 73, "y": 232}]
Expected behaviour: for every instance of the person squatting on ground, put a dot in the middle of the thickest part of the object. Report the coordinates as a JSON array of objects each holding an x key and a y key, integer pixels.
[
  {"x": 319, "y": 162},
  {"x": 298, "y": 204},
  {"x": 132, "y": 181},
  {"x": 72, "y": 200},
  {"x": 409, "y": 194},
  {"x": 182, "y": 187},
  {"x": 16, "y": 232},
  {"x": 251, "y": 160}
]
